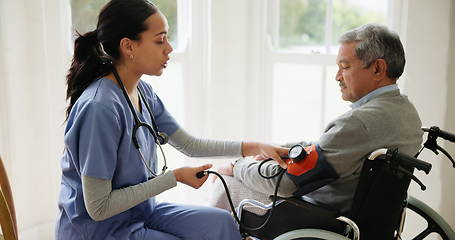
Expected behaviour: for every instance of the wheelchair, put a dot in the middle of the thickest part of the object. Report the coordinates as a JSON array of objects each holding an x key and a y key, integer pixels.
[{"x": 386, "y": 172}]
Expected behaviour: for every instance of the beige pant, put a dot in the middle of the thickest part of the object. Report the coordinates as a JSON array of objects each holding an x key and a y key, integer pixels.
[{"x": 238, "y": 192}]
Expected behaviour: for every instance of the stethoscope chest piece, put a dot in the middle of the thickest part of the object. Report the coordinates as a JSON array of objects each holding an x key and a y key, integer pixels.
[{"x": 162, "y": 138}]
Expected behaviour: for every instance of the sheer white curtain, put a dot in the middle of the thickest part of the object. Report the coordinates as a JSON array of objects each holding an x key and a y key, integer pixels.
[{"x": 34, "y": 57}]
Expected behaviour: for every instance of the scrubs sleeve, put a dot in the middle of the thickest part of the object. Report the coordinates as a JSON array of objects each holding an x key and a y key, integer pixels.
[
  {"x": 98, "y": 142},
  {"x": 164, "y": 120}
]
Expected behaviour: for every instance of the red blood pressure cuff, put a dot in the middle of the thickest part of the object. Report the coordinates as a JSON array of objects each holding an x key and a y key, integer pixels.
[{"x": 312, "y": 172}]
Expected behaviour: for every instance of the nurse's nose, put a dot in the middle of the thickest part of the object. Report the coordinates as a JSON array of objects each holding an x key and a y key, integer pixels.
[{"x": 169, "y": 48}]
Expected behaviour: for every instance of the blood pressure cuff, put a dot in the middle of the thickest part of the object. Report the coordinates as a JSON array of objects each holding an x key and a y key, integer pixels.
[{"x": 312, "y": 172}]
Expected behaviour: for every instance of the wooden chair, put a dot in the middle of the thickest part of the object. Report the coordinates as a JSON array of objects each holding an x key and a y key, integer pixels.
[{"x": 7, "y": 212}]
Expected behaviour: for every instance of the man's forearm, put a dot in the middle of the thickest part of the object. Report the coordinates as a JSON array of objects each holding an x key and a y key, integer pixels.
[{"x": 246, "y": 171}]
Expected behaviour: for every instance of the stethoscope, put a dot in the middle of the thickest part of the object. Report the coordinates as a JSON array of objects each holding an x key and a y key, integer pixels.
[{"x": 161, "y": 138}]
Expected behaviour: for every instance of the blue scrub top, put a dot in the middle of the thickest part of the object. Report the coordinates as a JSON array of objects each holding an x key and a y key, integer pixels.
[{"x": 98, "y": 144}]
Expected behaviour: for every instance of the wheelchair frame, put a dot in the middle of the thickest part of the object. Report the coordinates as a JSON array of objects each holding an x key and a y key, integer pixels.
[{"x": 435, "y": 222}]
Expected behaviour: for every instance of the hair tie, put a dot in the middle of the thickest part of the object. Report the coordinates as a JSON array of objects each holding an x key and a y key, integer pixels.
[
  {"x": 92, "y": 37},
  {"x": 95, "y": 34}
]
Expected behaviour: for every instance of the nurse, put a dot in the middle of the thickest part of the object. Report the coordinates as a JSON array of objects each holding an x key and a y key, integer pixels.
[{"x": 108, "y": 185}]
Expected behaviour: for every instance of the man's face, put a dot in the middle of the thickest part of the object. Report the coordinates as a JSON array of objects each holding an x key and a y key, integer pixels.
[{"x": 355, "y": 80}]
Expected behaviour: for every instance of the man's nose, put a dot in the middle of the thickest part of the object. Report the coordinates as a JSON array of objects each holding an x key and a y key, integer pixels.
[{"x": 338, "y": 76}]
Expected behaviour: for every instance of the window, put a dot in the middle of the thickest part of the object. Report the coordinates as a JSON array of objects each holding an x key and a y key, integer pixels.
[
  {"x": 302, "y": 55},
  {"x": 84, "y": 14},
  {"x": 314, "y": 26}
]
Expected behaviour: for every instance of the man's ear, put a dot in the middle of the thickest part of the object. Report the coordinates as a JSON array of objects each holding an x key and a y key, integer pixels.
[
  {"x": 126, "y": 47},
  {"x": 380, "y": 69}
]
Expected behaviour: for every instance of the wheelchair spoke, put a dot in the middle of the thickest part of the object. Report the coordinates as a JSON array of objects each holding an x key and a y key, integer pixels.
[
  {"x": 423, "y": 234},
  {"x": 432, "y": 224}
]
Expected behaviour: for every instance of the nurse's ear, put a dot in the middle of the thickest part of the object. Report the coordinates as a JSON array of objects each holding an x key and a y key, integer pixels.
[{"x": 127, "y": 48}]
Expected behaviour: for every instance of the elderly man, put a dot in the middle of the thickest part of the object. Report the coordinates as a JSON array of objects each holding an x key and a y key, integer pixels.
[{"x": 370, "y": 61}]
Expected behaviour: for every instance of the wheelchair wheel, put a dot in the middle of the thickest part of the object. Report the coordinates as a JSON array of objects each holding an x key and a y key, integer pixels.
[
  {"x": 307, "y": 234},
  {"x": 435, "y": 223}
]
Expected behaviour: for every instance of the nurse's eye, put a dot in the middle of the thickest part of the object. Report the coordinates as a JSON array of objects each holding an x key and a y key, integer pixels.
[{"x": 160, "y": 40}]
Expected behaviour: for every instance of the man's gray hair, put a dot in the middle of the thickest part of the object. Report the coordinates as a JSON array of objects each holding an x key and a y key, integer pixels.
[{"x": 374, "y": 42}]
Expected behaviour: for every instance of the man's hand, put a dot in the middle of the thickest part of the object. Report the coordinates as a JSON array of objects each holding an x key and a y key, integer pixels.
[{"x": 226, "y": 169}]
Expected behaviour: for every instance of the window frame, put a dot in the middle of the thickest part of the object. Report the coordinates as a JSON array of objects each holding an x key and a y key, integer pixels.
[{"x": 274, "y": 55}]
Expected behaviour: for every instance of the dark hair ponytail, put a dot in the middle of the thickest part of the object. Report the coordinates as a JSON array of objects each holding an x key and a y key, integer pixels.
[
  {"x": 95, "y": 51},
  {"x": 86, "y": 67}
]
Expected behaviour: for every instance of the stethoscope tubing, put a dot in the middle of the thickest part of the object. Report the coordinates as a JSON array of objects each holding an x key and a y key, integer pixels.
[{"x": 159, "y": 137}]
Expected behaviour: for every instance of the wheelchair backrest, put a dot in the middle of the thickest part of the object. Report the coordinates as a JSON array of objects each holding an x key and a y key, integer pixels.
[{"x": 379, "y": 199}]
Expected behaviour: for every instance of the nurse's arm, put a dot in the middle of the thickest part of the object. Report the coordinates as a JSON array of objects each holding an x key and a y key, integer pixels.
[
  {"x": 102, "y": 202},
  {"x": 200, "y": 147}
]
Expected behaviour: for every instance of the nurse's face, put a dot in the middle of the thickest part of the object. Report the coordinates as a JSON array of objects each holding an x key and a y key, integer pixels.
[{"x": 151, "y": 52}]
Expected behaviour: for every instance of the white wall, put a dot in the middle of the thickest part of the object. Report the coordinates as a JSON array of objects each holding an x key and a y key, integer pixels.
[
  {"x": 447, "y": 172},
  {"x": 430, "y": 50}
]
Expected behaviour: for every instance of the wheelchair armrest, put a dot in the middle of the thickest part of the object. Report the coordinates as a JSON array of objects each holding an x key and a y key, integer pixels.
[
  {"x": 307, "y": 203},
  {"x": 254, "y": 203},
  {"x": 289, "y": 214},
  {"x": 298, "y": 202}
]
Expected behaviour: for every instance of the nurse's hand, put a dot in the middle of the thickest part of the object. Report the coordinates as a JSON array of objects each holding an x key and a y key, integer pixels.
[
  {"x": 187, "y": 175},
  {"x": 262, "y": 151}
]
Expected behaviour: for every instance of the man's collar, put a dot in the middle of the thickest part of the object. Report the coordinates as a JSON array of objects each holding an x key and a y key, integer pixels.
[{"x": 373, "y": 94}]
